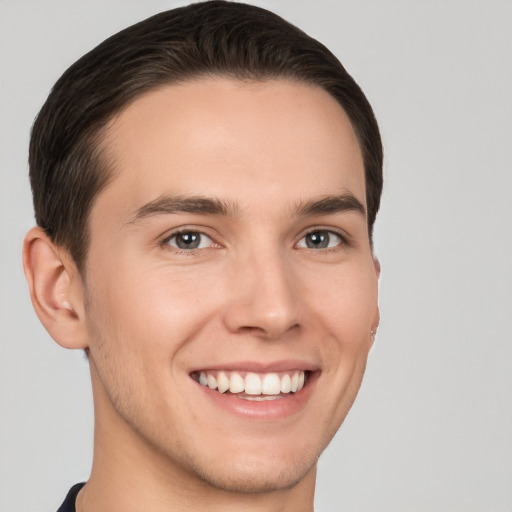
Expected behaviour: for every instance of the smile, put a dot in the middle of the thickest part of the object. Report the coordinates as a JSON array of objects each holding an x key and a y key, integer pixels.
[{"x": 253, "y": 386}]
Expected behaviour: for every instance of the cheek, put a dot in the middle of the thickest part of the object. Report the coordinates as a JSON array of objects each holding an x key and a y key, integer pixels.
[
  {"x": 157, "y": 308},
  {"x": 348, "y": 309},
  {"x": 348, "y": 301}
]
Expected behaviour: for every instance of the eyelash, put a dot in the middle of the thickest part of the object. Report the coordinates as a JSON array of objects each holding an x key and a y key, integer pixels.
[
  {"x": 343, "y": 240},
  {"x": 166, "y": 241}
]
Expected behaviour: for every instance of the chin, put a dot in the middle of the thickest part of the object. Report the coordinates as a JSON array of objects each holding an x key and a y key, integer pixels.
[
  {"x": 253, "y": 478},
  {"x": 261, "y": 471}
]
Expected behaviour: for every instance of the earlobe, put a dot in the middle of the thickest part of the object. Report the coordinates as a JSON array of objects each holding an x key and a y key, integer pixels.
[
  {"x": 376, "y": 264},
  {"x": 376, "y": 320},
  {"x": 55, "y": 289},
  {"x": 375, "y": 326}
]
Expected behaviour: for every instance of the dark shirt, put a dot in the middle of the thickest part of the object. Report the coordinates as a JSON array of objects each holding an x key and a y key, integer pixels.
[{"x": 69, "y": 502}]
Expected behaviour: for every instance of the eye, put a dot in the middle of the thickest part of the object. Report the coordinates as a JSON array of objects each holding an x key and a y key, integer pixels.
[
  {"x": 189, "y": 240},
  {"x": 321, "y": 239}
]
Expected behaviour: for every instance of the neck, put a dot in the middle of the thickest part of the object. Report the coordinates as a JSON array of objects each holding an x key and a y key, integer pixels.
[
  {"x": 131, "y": 493},
  {"x": 122, "y": 480}
]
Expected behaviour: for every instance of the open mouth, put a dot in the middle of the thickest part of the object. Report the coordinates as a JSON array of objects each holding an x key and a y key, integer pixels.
[{"x": 253, "y": 386}]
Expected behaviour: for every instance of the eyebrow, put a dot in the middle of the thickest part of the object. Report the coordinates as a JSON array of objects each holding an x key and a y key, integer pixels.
[
  {"x": 183, "y": 204},
  {"x": 326, "y": 205},
  {"x": 330, "y": 205}
]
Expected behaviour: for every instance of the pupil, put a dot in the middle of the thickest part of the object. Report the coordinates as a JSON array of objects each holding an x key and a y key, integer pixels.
[
  {"x": 318, "y": 240},
  {"x": 188, "y": 240}
]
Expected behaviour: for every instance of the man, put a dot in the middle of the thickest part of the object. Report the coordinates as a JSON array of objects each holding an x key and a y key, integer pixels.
[{"x": 205, "y": 186}]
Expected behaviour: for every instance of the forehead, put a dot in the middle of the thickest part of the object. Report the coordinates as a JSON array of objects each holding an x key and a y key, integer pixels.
[{"x": 233, "y": 140}]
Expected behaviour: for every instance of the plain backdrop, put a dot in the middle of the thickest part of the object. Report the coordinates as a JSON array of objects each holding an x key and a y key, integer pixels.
[{"x": 432, "y": 427}]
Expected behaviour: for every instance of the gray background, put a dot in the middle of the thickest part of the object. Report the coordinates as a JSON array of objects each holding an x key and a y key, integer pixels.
[{"x": 432, "y": 427}]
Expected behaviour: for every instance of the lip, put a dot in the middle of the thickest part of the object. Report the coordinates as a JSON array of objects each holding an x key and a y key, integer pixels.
[
  {"x": 260, "y": 367},
  {"x": 266, "y": 410}
]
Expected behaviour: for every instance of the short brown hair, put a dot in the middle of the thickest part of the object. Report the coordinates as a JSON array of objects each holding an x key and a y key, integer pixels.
[{"x": 211, "y": 38}]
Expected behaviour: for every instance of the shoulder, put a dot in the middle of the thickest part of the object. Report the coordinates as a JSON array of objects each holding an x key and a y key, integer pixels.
[{"x": 69, "y": 502}]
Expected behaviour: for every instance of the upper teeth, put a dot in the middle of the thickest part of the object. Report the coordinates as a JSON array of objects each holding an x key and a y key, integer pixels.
[{"x": 253, "y": 383}]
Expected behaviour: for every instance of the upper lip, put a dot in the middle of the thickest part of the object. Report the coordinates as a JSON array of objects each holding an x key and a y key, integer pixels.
[{"x": 260, "y": 367}]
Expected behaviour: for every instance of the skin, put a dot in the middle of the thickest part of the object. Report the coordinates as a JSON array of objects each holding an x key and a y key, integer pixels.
[{"x": 254, "y": 293}]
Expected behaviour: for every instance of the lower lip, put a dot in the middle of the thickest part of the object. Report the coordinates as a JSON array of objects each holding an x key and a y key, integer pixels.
[{"x": 282, "y": 407}]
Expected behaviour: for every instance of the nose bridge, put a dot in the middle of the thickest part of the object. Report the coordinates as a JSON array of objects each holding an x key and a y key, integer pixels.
[{"x": 262, "y": 298}]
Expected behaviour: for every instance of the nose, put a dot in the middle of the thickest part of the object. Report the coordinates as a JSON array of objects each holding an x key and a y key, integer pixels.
[{"x": 263, "y": 296}]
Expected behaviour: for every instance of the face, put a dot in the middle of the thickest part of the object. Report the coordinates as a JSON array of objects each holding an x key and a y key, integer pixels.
[{"x": 230, "y": 287}]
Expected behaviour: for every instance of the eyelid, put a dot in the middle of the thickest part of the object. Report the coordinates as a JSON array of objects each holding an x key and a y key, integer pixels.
[
  {"x": 344, "y": 238},
  {"x": 202, "y": 242},
  {"x": 200, "y": 230}
]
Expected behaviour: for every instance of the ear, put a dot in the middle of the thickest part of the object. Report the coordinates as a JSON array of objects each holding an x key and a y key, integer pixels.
[
  {"x": 56, "y": 289},
  {"x": 376, "y": 264},
  {"x": 376, "y": 319}
]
